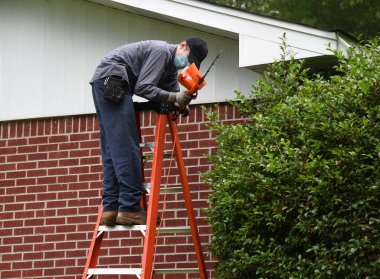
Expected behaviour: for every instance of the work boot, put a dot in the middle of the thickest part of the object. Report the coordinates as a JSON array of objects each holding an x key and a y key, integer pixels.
[
  {"x": 131, "y": 218},
  {"x": 108, "y": 218}
]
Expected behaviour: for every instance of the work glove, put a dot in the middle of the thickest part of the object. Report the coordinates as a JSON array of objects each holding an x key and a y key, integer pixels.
[{"x": 181, "y": 98}]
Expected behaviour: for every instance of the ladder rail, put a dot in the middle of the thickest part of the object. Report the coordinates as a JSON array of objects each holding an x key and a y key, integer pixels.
[
  {"x": 94, "y": 251},
  {"x": 187, "y": 197},
  {"x": 150, "y": 234}
]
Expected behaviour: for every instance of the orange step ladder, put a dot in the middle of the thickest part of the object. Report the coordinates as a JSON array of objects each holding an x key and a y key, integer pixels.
[{"x": 150, "y": 230}]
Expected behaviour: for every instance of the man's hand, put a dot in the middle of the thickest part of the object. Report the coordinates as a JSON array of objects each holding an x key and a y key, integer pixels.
[{"x": 181, "y": 98}]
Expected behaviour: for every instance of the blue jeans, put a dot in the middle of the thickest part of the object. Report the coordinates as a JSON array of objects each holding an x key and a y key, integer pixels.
[{"x": 119, "y": 141}]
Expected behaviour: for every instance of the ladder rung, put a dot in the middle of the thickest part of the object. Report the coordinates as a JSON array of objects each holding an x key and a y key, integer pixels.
[
  {"x": 122, "y": 228},
  {"x": 146, "y": 187},
  {"x": 171, "y": 190},
  {"x": 98, "y": 271},
  {"x": 176, "y": 271},
  {"x": 149, "y": 156},
  {"x": 183, "y": 229},
  {"x": 147, "y": 144},
  {"x": 178, "y": 229}
]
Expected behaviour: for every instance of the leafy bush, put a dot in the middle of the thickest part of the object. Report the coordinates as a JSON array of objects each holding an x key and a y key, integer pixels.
[{"x": 296, "y": 189}]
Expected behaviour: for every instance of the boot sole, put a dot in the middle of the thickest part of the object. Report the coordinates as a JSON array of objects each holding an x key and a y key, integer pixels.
[{"x": 128, "y": 221}]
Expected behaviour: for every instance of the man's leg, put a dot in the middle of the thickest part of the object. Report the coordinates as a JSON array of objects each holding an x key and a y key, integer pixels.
[
  {"x": 120, "y": 131},
  {"x": 110, "y": 184}
]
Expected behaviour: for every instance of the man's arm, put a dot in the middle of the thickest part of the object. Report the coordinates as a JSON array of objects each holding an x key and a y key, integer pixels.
[{"x": 152, "y": 70}]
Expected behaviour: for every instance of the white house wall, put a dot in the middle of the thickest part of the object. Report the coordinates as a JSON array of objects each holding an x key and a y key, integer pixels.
[{"x": 49, "y": 50}]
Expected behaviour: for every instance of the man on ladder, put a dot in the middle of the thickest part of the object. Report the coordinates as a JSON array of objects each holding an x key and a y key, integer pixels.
[{"x": 148, "y": 69}]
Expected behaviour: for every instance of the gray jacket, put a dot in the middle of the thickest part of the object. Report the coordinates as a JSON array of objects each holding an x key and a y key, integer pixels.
[{"x": 147, "y": 66}]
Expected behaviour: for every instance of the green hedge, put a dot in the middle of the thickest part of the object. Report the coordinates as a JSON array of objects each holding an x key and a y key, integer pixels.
[{"x": 296, "y": 189}]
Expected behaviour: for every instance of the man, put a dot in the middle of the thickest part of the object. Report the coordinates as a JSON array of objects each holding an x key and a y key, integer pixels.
[{"x": 148, "y": 69}]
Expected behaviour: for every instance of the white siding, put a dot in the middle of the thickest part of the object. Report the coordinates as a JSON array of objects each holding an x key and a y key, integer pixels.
[{"x": 49, "y": 50}]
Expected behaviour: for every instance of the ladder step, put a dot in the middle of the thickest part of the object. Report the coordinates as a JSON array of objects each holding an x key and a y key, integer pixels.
[
  {"x": 149, "y": 156},
  {"x": 176, "y": 271},
  {"x": 137, "y": 271},
  {"x": 122, "y": 228},
  {"x": 147, "y": 144},
  {"x": 146, "y": 187},
  {"x": 103, "y": 271},
  {"x": 183, "y": 229}
]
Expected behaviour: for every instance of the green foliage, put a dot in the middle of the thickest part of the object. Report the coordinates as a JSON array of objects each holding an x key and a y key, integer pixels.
[
  {"x": 354, "y": 16},
  {"x": 296, "y": 189}
]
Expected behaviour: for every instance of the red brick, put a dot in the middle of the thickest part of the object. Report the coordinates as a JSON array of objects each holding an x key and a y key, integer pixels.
[
  {"x": 46, "y": 180},
  {"x": 48, "y": 164},
  {"x": 43, "y": 264},
  {"x": 25, "y": 198},
  {"x": 79, "y": 153},
  {"x": 15, "y": 190},
  {"x": 96, "y": 168},
  {"x": 53, "y": 271},
  {"x": 90, "y": 144},
  {"x": 67, "y": 178},
  {"x": 34, "y": 222},
  {"x": 80, "y": 169},
  {"x": 5, "y": 266},
  {"x": 11, "y": 257},
  {"x": 38, "y": 140},
  {"x": 32, "y": 273},
  {"x": 68, "y": 195},
  {"x": 36, "y": 173},
  {"x": 27, "y": 149},
  {"x": 37, "y": 156},
  {"x": 17, "y": 142},
  {"x": 47, "y": 126},
  {"x": 43, "y": 246},
  {"x": 6, "y": 215},
  {"x": 33, "y": 238},
  {"x": 55, "y": 237},
  {"x": 66, "y": 228},
  {"x": 76, "y": 236},
  {"x": 16, "y": 158},
  {"x": 55, "y": 254},
  {"x": 16, "y": 174},
  {"x": 79, "y": 137},
  {"x": 67, "y": 211},
  {"x": 68, "y": 146},
  {"x": 96, "y": 152},
  {"x": 57, "y": 139},
  {"x": 89, "y": 194},
  {"x": 27, "y": 165},
  {"x": 7, "y": 167},
  {"x": 57, "y": 171},
  {"x": 90, "y": 160},
  {"x": 56, "y": 204},
  {"x": 24, "y": 215},
  {"x": 78, "y": 186},
  {"x": 68, "y": 162},
  {"x": 8, "y": 150},
  {"x": 89, "y": 177},
  {"x": 47, "y": 147},
  {"x": 6, "y": 183},
  {"x": 6, "y": 232},
  {"x": 10, "y": 274},
  {"x": 22, "y": 265},
  {"x": 44, "y": 230},
  {"x": 58, "y": 155},
  {"x": 95, "y": 135},
  {"x": 37, "y": 189},
  {"x": 46, "y": 196}
]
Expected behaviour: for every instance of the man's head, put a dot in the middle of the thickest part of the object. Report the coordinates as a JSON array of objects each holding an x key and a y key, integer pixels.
[{"x": 195, "y": 49}]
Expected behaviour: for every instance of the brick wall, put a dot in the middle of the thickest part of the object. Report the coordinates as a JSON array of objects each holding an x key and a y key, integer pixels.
[{"x": 50, "y": 189}]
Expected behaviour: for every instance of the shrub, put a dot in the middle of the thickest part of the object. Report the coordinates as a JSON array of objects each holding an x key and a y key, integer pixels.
[{"x": 296, "y": 189}]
